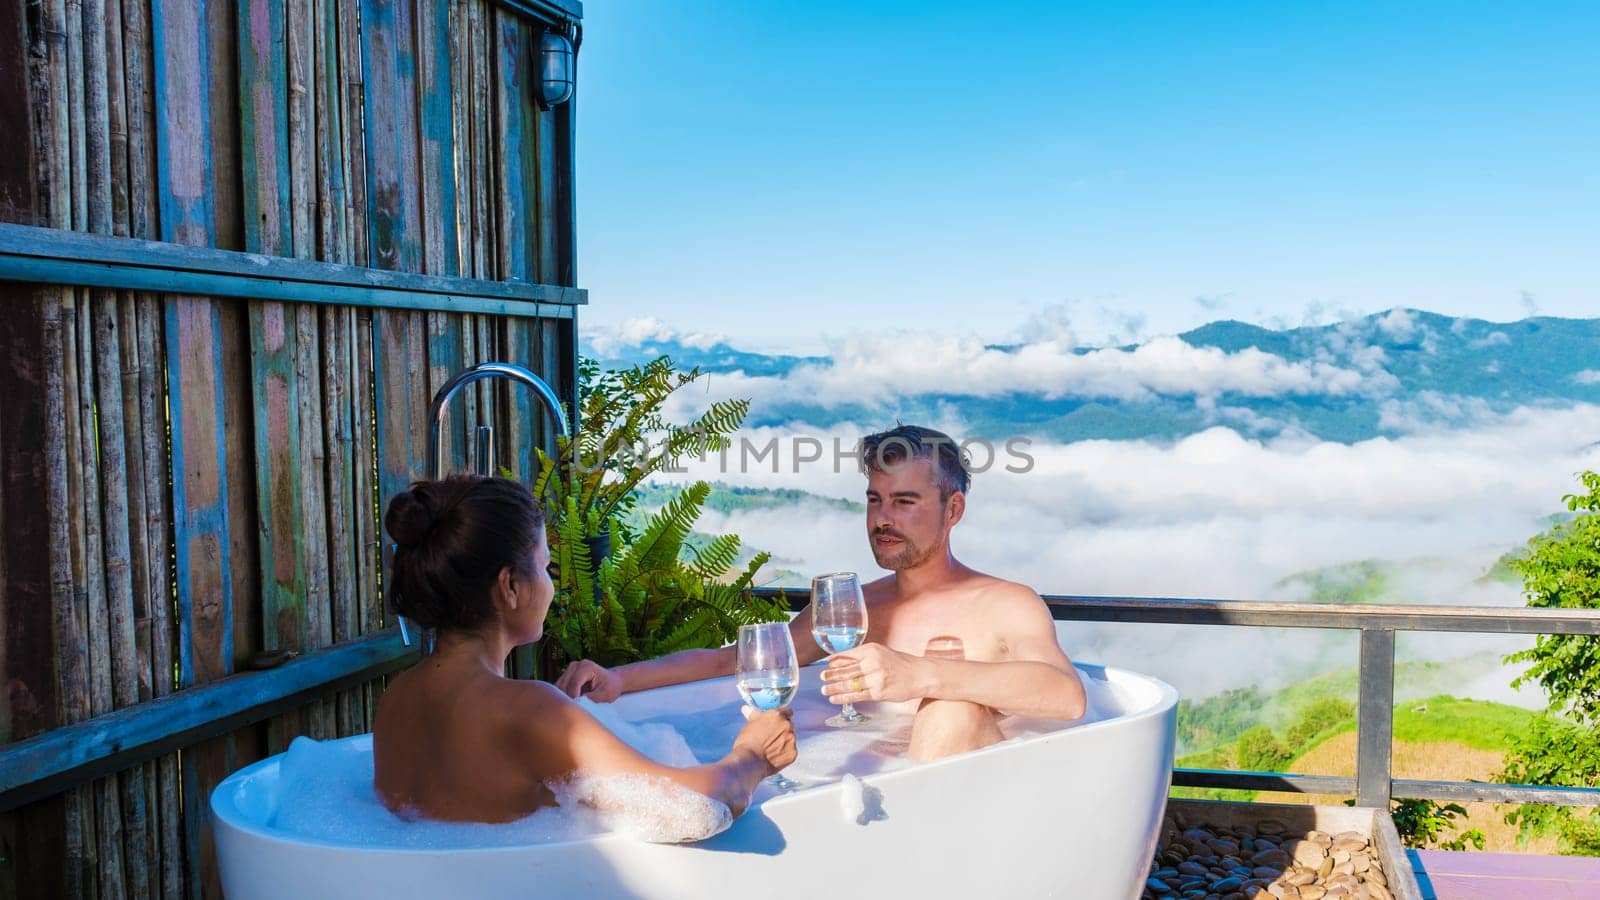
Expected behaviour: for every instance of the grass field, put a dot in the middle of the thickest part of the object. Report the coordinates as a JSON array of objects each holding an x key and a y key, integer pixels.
[{"x": 1438, "y": 737}]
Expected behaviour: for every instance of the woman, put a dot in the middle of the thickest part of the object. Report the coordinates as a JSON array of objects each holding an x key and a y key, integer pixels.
[{"x": 454, "y": 739}]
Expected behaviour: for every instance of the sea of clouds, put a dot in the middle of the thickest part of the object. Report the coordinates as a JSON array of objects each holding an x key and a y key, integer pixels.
[{"x": 1219, "y": 513}]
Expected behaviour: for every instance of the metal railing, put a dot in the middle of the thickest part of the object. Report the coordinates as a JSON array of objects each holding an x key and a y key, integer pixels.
[{"x": 1374, "y": 784}]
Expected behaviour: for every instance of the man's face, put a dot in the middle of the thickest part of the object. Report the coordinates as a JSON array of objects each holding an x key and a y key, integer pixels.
[{"x": 906, "y": 520}]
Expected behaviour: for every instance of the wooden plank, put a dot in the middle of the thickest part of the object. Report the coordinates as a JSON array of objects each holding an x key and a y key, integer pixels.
[
  {"x": 517, "y": 161},
  {"x": 392, "y": 141},
  {"x": 389, "y": 67},
  {"x": 264, "y": 127},
  {"x": 183, "y": 117},
  {"x": 204, "y": 544},
  {"x": 565, "y": 164},
  {"x": 441, "y": 249},
  {"x": 518, "y": 167},
  {"x": 277, "y": 442},
  {"x": 440, "y": 232},
  {"x": 231, "y": 288},
  {"x": 545, "y": 163},
  {"x": 48, "y": 763},
  {"x": 401, "y": 403},
  {"x": 43, "y": 255}
]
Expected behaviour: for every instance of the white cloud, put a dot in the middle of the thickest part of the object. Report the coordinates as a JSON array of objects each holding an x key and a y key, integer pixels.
[
  {"x": 1430, "y": 411},
  {"x": 880, "y": 370},
  {"x": 633, "y": 333},
  {"x": 1492, "y": 339},
  {"x": 1587, "y": 376},
  {"x": 1398, "y": 324},
  {"x": 1074, "y": 323},
  {"x": 1217, "y": 514}
]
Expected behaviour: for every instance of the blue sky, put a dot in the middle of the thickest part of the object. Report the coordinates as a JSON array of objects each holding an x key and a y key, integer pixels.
[{"x": 785, "y": 174}]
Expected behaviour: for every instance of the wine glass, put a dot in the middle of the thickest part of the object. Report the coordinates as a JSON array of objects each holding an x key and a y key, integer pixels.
[
  {"x": 839, "y": 623},
  {"x": 767, "y": 671}
]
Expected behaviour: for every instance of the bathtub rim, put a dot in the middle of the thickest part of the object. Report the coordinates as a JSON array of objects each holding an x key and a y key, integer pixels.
[{"x": 226, "y": 812}]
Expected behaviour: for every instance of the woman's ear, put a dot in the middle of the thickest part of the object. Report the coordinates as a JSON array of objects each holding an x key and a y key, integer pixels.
[{"x": 506, "y": 588}]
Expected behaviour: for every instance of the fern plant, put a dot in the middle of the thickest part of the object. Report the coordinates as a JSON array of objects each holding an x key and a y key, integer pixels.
[{"x": 652, "y": 594}]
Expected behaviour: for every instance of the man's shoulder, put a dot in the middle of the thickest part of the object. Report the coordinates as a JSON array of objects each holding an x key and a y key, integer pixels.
[{"x": 997, "y": 589}]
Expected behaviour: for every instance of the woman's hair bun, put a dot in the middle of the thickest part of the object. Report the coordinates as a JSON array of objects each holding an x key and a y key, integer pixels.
[{"x": 410, "y": 516}]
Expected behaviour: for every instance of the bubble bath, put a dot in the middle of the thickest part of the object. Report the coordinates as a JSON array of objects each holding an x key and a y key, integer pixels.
[
  {"x": 308, "y": 822},
  {"x": 328, "y": 795}
]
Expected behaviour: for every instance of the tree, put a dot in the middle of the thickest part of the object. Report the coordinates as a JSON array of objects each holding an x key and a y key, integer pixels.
[
  {"x": 1259, "y": 750},
  {"x": 1561, "y": 569}
]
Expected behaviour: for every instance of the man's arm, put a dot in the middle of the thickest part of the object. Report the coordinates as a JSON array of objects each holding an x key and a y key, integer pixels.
[
  {"x": 586, "y": 678},
  {"x": 1037, "y": 681}
]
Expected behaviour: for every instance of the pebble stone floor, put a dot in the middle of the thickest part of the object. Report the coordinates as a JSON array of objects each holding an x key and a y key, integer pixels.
[{"x": 1267, "y": 862}]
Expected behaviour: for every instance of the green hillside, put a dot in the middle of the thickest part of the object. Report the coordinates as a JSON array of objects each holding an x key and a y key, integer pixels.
[
  {"x": 728, "y": 498},
  {"x": 1218, "y": 720}
]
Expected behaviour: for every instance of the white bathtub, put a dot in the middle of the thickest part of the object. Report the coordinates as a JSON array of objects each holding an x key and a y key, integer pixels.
[{"x": 1072, "y": 812}]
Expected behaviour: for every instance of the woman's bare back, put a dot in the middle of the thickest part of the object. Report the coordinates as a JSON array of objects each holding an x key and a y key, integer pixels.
[{"x": 452, "y": 741}]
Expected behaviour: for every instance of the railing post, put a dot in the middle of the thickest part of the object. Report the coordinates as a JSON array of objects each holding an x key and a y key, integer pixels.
[{"x": 1375, "y": 719}]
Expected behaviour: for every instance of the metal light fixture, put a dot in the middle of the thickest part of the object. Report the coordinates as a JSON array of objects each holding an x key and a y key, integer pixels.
[{"x": 555, "y": 69}]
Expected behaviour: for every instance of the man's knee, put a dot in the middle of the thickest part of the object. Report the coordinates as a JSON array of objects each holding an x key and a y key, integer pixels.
[{"x": 947, "y": 727}]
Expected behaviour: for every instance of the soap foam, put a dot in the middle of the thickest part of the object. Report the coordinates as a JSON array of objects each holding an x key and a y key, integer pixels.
[
  {"x": 327, "y": 794},
  {"x": 645, "y": 807}
]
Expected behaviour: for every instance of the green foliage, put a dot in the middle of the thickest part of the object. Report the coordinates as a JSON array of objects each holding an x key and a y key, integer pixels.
[
  {"x": 1321, "y": 715},
  {"x": 727, "y": 498},
  {"x": 1559, "y": 752},
  {"x": 1562, "y": 570},
  {"x": 1421, "y": 822},
  {"x": 1260, "y": 750},
  {"x": 1219, "y": 718},
  {"x": 653, "y": 593},
  {"x": 1365, "y": 581}
]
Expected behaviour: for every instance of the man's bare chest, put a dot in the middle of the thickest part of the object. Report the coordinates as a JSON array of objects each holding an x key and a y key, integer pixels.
[{"x": 946, "y": 629}]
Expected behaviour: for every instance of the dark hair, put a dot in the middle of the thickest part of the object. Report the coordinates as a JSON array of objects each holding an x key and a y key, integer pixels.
[
  {"x": 890, "y": 449},
  {"x": 453, "y": 537}
]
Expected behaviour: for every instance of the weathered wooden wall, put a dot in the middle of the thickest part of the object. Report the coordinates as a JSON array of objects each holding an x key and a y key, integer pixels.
[{"x": 190, "y": 480}]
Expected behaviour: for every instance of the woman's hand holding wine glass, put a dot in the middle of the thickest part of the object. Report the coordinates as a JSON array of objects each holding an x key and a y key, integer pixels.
[{"x": 767, "y": 671}]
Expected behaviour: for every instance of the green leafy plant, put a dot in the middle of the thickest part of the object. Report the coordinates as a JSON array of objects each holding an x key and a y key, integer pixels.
[
  {"x": 1421, "y": 822},
  {"x": 1561, "y": 569},
  {"x": 651, "y": 594},
  {"x": 1556, "y": 751}
]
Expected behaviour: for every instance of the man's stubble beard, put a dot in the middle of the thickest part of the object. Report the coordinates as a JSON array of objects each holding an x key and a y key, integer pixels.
[{"x": 907, "y": 557}]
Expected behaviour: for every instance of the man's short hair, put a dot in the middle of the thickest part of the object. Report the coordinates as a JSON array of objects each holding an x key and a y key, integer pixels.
[{"x": 893, "y": 448}]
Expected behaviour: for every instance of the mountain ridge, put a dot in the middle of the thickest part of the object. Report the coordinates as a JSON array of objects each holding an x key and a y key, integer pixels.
[{"x": 1380, "y": 375}]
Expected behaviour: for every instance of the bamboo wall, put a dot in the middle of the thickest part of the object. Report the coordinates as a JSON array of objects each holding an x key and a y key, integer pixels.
[{"x": 189, "y": 481}]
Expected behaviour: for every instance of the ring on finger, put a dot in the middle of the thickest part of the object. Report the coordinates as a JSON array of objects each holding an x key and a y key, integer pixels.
[{"x": 856, "y": 684}]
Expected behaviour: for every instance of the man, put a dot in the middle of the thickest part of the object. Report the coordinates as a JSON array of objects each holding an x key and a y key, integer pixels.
[{"x": 953, "y": 644}]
